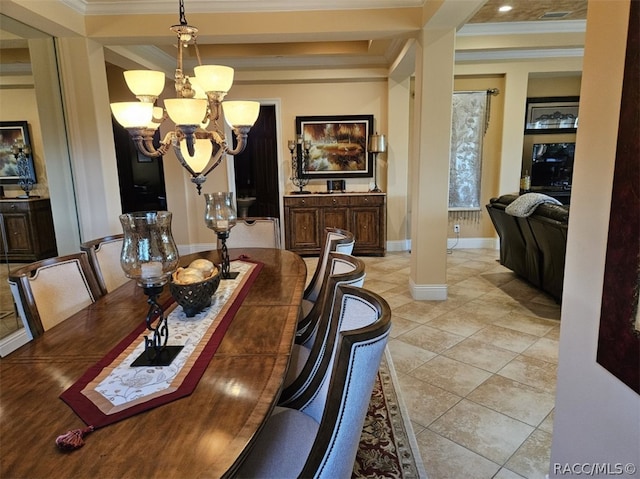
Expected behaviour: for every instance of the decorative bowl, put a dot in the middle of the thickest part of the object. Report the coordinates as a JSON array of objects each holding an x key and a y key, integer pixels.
[{"x": 195, "y": 297}]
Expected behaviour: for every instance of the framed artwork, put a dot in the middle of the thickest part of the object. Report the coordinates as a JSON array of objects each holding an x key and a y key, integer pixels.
[
  {"x": 10, "y": 131},
  {"x": 552, "y": 115},
  {"x": 338, "y": 146}
]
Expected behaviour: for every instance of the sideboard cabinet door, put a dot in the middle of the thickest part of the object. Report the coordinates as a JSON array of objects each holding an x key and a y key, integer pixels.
[
  {"x": 28, "y": 225},
  {"x": 364, "y": 214}
]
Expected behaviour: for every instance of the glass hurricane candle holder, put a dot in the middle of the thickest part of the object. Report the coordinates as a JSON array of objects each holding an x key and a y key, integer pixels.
[
  {"x": 149, "y": 255},
  {"x": 220, "y": 216}
]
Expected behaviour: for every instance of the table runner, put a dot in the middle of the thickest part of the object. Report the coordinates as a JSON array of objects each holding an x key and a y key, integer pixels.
[{"x": 111, "y": 390}]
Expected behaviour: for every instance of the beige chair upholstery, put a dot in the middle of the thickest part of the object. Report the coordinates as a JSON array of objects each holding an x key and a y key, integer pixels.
[
  {"x": 335, "y": 239},
  {"x": 318, "y": 340},
  {"x": 255, "y": 232},
  {"x": 49, "y": 291},
  {"x": 104, "y": 257},
  {"x": 318, "y": 435}
]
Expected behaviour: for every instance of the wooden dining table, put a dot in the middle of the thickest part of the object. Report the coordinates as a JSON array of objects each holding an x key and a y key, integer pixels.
[{"x": 204, "y": 435}]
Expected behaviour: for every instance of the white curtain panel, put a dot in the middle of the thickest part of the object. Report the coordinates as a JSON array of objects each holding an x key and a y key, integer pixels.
[{"x": 467, "y": 131}]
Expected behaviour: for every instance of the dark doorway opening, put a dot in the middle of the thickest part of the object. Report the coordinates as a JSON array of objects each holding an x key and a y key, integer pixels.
[
  {"x": 256, "y": 168},
  {"x": 141, "y": 179}
]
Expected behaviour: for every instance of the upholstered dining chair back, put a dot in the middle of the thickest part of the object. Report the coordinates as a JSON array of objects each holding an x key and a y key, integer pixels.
[
  {"x": 318, "y": 338},
  {"x": 255, "y": 232},
  {"x": 335, "y": 239},
  {"x": 340, "y": 268},
  {"x": 320, "y": 439},
  {"x": 49, "y": 291},
  {"x": 104, "y": 257}
]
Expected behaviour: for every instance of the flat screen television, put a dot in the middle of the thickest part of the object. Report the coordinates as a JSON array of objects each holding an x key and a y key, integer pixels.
[{"x": 552, "y": 165}]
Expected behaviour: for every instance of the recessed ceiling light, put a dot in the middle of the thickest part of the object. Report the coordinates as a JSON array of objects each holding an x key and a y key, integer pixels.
[{"x": 505, "y": 8}]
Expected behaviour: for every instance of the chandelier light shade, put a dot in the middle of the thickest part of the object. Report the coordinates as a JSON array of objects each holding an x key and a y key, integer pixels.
[
  {"x": 214, "y": 78},
  {"x": 131, "y": 114},
  {"x": 241, "y": 113},
  {"x": 198, "y": 140},
  {"x": 145, "y": 83}
]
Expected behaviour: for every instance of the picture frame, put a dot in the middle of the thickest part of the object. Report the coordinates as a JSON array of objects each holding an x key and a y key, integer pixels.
[
  {"x": 10, "y": 131},
  {"x": 552, "y": 115},
  {"x": 339, "y": 146}
]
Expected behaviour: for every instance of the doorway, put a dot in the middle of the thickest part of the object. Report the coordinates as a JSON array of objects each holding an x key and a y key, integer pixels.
[
  {"x": 256, "y": 168},
  {"x": 141, "y": 179}
]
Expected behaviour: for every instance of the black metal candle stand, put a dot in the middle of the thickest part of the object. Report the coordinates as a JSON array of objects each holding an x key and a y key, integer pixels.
[{"x": 156, "y": 352}]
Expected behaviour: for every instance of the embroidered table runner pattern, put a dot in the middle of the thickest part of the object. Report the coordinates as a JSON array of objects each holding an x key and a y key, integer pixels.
[{"x": 111, "y": 390}]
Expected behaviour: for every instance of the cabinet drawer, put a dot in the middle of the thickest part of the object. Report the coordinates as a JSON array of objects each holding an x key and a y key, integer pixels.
[
  {"x": 366, "y": 200},
  {"x": 14, "y": 206},
  {"x": 302, "y": 202}
]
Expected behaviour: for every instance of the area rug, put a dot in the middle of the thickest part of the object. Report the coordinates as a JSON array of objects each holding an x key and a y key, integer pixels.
[{"x": 388, "y": 447}]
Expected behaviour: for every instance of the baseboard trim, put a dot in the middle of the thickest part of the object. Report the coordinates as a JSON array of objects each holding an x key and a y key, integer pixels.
[
  {"x": 428, "y": 292},
  {"x": 13, "y": 341},
  {"x": 452, "y": 243}
]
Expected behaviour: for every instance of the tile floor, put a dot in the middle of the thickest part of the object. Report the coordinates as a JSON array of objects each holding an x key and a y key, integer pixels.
[{"x": 477, "y": 371}]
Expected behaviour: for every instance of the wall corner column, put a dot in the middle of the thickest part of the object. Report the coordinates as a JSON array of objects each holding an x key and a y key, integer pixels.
[{"x": 431, "y": 147}]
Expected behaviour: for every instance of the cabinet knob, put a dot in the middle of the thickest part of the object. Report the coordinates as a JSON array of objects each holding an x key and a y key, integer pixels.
[
  {"x": 13, "y": 207},
  {"x": 303, "y": 202},
  {"x": 334, "y": 201},
  {"x": 366, "y": 199}
]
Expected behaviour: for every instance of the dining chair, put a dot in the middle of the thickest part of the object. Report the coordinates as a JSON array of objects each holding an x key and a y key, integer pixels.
[
  {"x": 318, "y": 339},
  {"x": 335, "y": 239},
  {"x": 47, "y": 292},
  {"x": 318, "y": 436},
  {"x": 104, "y": 257},
  {"x": 255, "y": 232}
]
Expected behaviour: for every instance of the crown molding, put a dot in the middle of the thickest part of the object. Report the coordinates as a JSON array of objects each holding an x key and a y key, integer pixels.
[
  {"x": 514, "y": 55},
  {"x": 516, "y": 28},
  {"x": 120, "y": 7}
]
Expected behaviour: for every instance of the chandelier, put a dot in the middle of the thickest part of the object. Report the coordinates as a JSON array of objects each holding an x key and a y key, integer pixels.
[{"x": 198, "y": 141}]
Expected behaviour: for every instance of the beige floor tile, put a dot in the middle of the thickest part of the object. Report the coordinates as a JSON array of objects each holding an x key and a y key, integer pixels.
[
  {"x": 407, "y": 357},
  {"x": 531, "y": 460},
  {"x": 444, "y": 459},
  {"x": 531, "y": 371},
  {"x": 451, "y": 375},
  {"x": 544, "y": 349},
  {"x": 554, "y": 333},
  {"x": 432, "y": 339},
  {"x": 481, "y": 355},
  {"x": 378, "y": 286},
  {"x": 486, "y": 311},
  {"x": 418, "y": 311},
  {"x": 425, "y": 402},
  {"x": 526, "y": 324},
  {"x": 458, "y": 321},
  {"x": 505, "y": 473},
  {"x": 505, "y": 338},
  {"x": 400, "y": 325},
  {"x": 514, "y": 399},
  {"x": 396, "y": 300},
  {"x": 547, "y": 424},
  {"x": 482, "y": 430}
]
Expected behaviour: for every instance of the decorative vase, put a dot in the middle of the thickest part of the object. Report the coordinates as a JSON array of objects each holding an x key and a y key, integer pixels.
[
  {"x": 220, "y": 216},
  {"x": 149, "y": 253}
]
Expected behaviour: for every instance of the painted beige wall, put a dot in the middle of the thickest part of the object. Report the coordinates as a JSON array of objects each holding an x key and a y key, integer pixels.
[{"x": 597, "y": 417}]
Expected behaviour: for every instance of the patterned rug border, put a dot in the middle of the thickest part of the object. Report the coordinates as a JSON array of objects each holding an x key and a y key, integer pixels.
[{"x": 388, "y": 442}]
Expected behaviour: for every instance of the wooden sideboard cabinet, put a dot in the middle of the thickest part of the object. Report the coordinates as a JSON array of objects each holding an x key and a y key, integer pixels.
[
  {"x": 364, "y": 214},
  {"x": 28, "y": 227}
]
